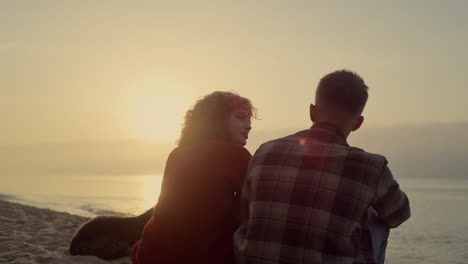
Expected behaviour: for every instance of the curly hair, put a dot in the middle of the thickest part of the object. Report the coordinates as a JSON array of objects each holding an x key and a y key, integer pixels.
[{"x": 207, "y": 119}]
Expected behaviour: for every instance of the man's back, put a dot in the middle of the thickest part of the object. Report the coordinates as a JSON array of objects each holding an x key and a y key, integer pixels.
[{"x": 308, "y": 196}]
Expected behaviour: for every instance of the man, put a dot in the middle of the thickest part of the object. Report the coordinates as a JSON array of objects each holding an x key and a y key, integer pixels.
[{"x": 311, "y": 198}]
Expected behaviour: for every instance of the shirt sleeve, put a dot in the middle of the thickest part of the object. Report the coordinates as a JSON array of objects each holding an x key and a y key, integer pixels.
[{"x": 390, "y": 202}]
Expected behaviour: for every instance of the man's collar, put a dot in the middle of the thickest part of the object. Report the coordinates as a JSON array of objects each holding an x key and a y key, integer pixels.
[{"x": 331, "y": 129}]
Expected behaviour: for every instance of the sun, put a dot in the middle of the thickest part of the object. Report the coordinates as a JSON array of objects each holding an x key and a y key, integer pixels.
[
  {"x": 158, "y": 117},
  {"x": 156, "y": 114}
]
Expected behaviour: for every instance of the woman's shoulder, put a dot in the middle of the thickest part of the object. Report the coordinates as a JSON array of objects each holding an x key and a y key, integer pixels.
[
  {"x": 226, "y": 156},
  {"x": 226, "y": 148},
  {"x": 214, "y": 150}
]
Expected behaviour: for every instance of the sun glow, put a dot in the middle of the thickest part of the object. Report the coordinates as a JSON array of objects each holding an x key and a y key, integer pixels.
[{"x": 156, "y": 114}]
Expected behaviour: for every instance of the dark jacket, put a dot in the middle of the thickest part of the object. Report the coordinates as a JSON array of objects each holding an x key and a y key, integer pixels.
[{"x": 197, "y": 211}]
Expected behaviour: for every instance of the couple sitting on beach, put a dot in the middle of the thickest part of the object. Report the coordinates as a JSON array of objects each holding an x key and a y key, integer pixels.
[{"x": 304, "y": 198}]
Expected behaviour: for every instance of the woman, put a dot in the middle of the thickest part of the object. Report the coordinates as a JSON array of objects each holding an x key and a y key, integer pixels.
[{"x": 197, "y": 211}]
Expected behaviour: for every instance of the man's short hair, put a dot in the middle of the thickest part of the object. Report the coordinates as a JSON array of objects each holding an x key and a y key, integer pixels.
[{"x": 342, "y": 90}]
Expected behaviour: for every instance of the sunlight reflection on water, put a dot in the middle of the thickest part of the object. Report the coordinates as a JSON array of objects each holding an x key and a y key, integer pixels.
[{"x": 151, "y": 188}]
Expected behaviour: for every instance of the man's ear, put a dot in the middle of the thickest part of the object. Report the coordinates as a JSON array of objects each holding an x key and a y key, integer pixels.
[
  {"x": 358, "y": 123},
  {"x": 312, "y": 112}
]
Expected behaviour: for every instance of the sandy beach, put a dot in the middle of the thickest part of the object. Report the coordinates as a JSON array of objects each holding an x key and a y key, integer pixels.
[{"x": 33, "y": 235}]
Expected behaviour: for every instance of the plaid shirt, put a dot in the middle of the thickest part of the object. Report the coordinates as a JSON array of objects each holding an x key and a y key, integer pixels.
[{"x": 305, "y": 200}]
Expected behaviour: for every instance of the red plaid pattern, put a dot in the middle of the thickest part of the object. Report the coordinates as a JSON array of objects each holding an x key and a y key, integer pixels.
[{"x": 305, "y": 200}]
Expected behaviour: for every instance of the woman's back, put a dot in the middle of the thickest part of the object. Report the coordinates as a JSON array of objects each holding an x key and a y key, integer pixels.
[{"x": 197, "y": 211}]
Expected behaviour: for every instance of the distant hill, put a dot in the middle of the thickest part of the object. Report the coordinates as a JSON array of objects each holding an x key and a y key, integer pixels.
[{"x": 435, "y": 150}]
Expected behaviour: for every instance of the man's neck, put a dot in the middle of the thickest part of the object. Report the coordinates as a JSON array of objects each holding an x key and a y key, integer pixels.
[{"x": 343, "y": 131}]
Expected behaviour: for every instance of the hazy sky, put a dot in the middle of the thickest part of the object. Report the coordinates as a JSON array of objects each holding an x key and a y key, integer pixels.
[{"x": 112, "y": 70}]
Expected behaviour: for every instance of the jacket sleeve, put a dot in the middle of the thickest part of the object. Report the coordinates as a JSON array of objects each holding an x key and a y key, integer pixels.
[
  {"x": 244, "y": 201},
  {"x": 390, "y": 202},
  {"x": 243, "y": 163},
  {"x": 134, "y": 253},
  {"x": 140, "y": 251},
  {"x": 136, "y": 250}
]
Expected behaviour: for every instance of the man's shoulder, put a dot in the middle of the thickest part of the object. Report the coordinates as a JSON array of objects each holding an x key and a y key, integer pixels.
[
  {"x": 273, "y": 148},
  {"x": 292, "y": 138},
  {"x": 371, "y": 159},
  {"x": 349, "y": 152}
]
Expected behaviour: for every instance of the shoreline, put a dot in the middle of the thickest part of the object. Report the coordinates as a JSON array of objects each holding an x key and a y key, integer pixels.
[
  {"x": 85, "y": 206},
  {"x": 35, "y": 235}
]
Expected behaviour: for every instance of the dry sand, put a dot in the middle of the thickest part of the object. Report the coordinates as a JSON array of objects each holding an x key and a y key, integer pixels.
[{"x": 34, "y": 235}]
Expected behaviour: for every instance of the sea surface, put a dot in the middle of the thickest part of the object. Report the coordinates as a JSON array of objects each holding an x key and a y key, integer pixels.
[
  {"x": 437, "y": 232},
  {"x": 85, "y": 195}
]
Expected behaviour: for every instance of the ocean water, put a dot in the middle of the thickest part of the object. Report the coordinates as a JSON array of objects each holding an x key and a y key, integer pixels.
[
  {"x": 437, "y": 232},
  {"x": 88, "y": 196}
]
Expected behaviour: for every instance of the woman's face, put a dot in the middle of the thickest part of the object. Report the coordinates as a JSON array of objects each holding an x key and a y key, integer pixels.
[{"x": 238, "y": 126}]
